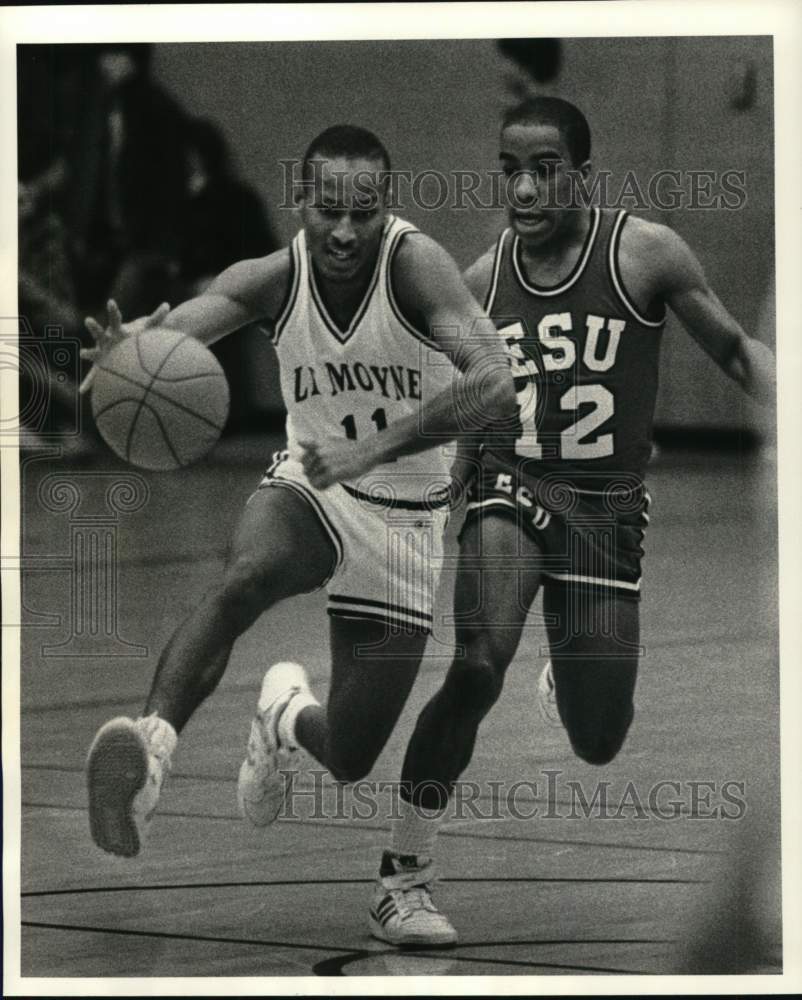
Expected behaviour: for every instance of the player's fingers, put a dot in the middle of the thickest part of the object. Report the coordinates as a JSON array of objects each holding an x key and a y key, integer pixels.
[
  {"x": 87, "y": 382},
  {"x": 90, "y": 353},
  {"x": 158, "y": 315},
  {"x": 94, "y": 328},
  {"x": 115, "y": 317}
]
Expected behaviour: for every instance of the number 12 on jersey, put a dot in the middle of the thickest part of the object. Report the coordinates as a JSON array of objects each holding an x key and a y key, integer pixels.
[{"x": 571, "y": 445}]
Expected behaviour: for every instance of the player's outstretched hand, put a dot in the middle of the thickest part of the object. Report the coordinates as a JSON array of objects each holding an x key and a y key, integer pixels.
[
  {"x": 333, "y": 460},
  {"x": 106, "y": 337}
]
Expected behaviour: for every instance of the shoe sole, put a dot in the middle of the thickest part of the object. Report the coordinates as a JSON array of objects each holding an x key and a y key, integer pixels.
[
  {"x": 117, "y": 769},
  {"x": 380, "y": 934}
]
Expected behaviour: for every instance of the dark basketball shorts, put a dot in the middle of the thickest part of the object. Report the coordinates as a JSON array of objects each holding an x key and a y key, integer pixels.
[{"x": 589, "y": 539}]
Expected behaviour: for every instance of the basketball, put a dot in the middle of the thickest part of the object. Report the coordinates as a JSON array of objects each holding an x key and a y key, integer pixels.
[{"x": 160, "y": 399}]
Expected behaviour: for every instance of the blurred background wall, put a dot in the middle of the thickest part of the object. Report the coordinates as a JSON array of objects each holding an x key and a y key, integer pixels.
[
  {"x": 653, "y": 104},
  {"x": 98, "y": 132}
]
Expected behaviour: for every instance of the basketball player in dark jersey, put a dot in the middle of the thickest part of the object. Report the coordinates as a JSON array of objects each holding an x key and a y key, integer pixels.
[{"x": 579, "y": 295}]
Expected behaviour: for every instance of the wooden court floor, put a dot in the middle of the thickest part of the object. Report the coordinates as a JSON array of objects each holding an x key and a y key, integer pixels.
[{"x": 555, "y": 893}]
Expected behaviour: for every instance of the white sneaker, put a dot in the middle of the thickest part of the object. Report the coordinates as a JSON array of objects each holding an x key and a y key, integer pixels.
[
  {"x": 402, "y": 912},
  {"x": 547, "y": 697},
  {"x": 127, "y": 764},
  {"x": 267, "y": 773}
]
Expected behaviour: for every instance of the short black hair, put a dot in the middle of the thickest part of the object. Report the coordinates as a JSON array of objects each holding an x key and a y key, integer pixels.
[
  {"x": 564, "y": 116},
  {"x": 349, "y": 141}
]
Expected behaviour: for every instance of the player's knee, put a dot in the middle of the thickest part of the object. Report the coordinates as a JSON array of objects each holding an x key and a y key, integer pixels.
[
  {"x": 350, "y": 768},
  {"x": 246, "y": 588},
  {"x": 476, "y": 680},
  {"x": 598, "y": 745},
  {"x": 598, "y": 752}
]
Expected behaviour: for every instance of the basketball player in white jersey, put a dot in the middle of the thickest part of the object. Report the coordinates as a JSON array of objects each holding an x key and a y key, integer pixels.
[{"x": 362, "y": 309}]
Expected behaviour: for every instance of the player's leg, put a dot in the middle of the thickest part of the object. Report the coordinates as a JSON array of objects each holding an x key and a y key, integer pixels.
[
  {"x": 593, "y": 638},
  {"x": 491, "y": 601},
  {"x": 373, "y": 664},
  {"x": 497, "y": 580},
  {"x": 280, "y": 548},
  {"x": 373, "y": 668}
]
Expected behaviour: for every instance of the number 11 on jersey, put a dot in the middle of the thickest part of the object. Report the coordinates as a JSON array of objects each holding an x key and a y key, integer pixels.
[{"x": 379, "y": 418}]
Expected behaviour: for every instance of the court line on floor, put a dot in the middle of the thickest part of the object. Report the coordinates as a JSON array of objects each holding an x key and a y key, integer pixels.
[
  {"x": 445, "y": 832},
  {"x": 283, "y": 883},
  {"x": 727, "y": 638},
  {"x": 352, "y": 954},
  {"x": 331, "y": 788},
  {"x": 207, "y": 939},
  {"x": 334, "y": 966},
  {"x": 610, "y": 807}
]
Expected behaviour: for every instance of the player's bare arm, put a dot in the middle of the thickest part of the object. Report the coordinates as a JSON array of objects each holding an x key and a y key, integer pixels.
[
  {"x": 673, "y": 272},
  {"x": 477, "y": 278},
  {"x": 432, "y": 295},
  {"x": 248, "y": 291}
]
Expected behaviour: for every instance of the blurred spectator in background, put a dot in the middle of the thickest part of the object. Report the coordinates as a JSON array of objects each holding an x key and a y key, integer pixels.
[
  {"x": 128, "y": 170},
  {"x": 47, "y": 108},
  {"x": 224, "y": 219},
  {"x": 47, "y": 103},
  {"x": 123, "y": 196}
]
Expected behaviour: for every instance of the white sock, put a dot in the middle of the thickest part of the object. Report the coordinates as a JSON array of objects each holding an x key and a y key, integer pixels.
[
  {"x": 415, "y": 831},
  {"x": 160, "y": 734},
  {"x": 288, "y": 718}
]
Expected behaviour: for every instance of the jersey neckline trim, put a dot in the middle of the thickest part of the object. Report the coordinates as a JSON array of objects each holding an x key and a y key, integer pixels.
[
  {"x": 576, "y": 272},
  {"x": 343, "y": 336}
]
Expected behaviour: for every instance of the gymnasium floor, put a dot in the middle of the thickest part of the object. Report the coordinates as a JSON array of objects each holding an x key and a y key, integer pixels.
[{"x": 530, "y": 896}]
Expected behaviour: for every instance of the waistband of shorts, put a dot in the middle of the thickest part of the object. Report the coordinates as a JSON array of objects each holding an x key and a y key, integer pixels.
[
  {"x": 586, "y": 484},
  {"x": 438, "y": 502}
]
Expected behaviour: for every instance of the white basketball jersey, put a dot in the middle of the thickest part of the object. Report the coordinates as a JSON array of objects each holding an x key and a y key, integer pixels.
[{"x": 358, "y": 381}]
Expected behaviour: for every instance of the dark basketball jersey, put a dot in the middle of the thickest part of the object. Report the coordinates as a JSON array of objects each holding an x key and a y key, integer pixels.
[{"x": 585, "y": 362}]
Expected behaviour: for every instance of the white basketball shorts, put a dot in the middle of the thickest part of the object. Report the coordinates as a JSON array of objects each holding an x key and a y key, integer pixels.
[{"x": 389, "y": 552}]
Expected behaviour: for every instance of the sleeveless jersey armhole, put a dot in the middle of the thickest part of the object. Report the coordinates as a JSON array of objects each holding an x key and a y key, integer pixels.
[
  {"x": 290, "y": 295},
  {"x": 407, "y": 323},
  {"x": 617, "y": 280},
  {"x": 490, "y": 297}
]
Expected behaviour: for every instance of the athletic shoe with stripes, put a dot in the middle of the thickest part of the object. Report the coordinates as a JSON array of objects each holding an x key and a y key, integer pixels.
[
  {"x": 127, "y": 764},
  {"x": 267, "y": 773},
  {"x": 547, "y": 697},
  {"x": 402, "y": 912}
]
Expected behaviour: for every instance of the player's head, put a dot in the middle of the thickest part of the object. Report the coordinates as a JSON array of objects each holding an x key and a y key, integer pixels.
[
  {"x": 544, "y": 144},
  {"x": 343, "y": 197}
]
